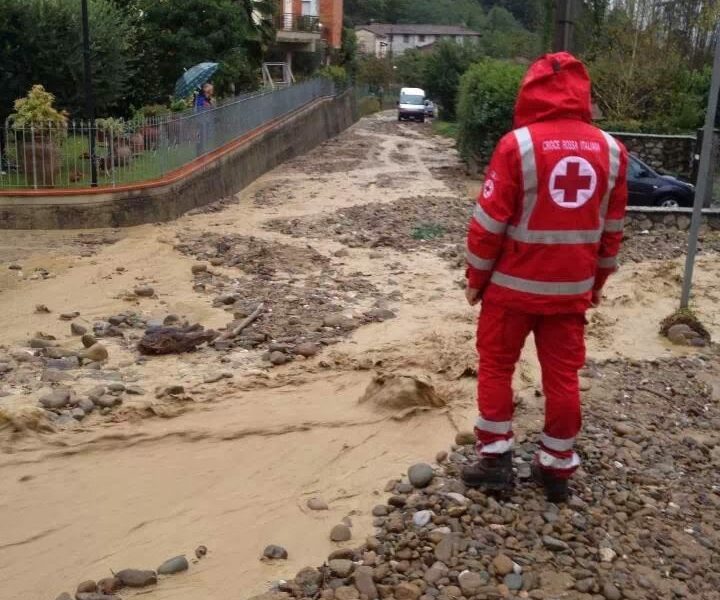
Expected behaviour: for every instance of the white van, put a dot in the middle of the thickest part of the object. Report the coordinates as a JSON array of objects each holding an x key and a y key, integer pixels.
[{"x": 411, "y": 104}]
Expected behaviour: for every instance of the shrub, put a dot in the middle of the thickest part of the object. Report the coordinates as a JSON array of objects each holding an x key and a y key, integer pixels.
[
  {"x": 336, "y": 74},
  {"x": 368, "y": 105},
  {"x": 486, "y": 101},
  {"x": 442, "y": 73},
  {"x": 37, "y": 108}
]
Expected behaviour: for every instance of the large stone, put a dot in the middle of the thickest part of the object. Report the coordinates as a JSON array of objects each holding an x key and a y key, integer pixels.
[
  {"x": 683, "y": 222},
  {"x": 136, "y": 578},
  {"x": 87, "y": 586},
  {"x": 420, "y": 475},
  {"x": 96, "y": 596},
  {"x": 340, "y": 533},
  {"x": 307, "y": 349},
  {"x": 88, "y": 340},
  {"x": 611, "y": 592},
  {"x": 108, "y": 585},
  {"x": 465, "y": 438},
  {"x": 341, "y": 567},
  {"x": 347, "y": 592},
  {"x": 274, "y": 552},
  {"x": 364, "y": 582},
  {"x": 174, "y": 565},
  {"x": 317, "y": 504},
  {"x": 144, "y": 291},
  {"x": 56, "y": 399},
  {"x": 96, "y": 353},
  {"x": 107, "y": 401},
  {"x": 470, "y": 583},
  {"x": 554, "y": 544},
  {"x": 340, "y": 321}
]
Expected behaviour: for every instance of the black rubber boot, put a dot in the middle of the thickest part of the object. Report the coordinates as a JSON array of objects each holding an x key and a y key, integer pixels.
[
  {"x": 490, "y": 472},
  {"x": 557, "y": 490}
]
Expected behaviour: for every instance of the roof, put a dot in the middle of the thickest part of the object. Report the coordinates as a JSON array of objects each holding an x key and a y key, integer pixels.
[{"x": 384, "y": 29}]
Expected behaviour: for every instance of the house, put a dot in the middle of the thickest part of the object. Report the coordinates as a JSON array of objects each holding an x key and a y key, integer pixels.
[
  {"x": 308, "y": 26},
  {"x": 383, "y": 39}
]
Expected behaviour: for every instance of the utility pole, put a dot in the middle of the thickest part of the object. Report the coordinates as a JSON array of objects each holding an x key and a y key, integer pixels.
[
  {"x": 704, "y": 183},
  {"x": 565, "y": 12},
  {"x": 89, "y": 97}
]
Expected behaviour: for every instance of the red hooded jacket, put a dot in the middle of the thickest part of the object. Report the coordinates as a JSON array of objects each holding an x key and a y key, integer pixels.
[{"x": 548, "y": 223}]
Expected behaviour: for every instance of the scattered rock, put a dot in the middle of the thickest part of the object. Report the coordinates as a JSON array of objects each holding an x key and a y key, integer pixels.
[
  {"x": 340, "y": 533},
  {"x": 275, "y": 552},
  {"x": 69, "y": 316},
  {"x": 407, "y": 591},
  {"x": 41, "y": 308},
  {"x": 513, "y": 581},
  {"x": 278, "y": 358},
  {"x": 199, "y": 268},
  {"x": 109, "y": 585},
  {"x": 174, "y": 340},
  {"x": 422, "y": 517},
  {"x": 470, "y": 583},
  {"x": 340, "y": 321},
  {"x": 107, "y": 401},
  {"x": 341, "y": 567},
  {"x": 134, "y": 390},
  {"x": 607, "y": 555},
  {"x": 173, "y": 565},
  {"x": 317, "y": 504},
  {"x": 201, "y": 551},
  {"x": 87, "y": 586},
  {"x": 136, "y": 578},
  {"x": 611, "y": 592},
  {"x": 307, "y": 349},
  {"x": 96, "y": 596},
  {"x": 56, "y": 399},
  {"x": 88, "y": 340},
  {"x": 77, "y": 328},
  {"x": 503, "y": 565},
  {"x": 465, "y": 438},
  {"x": 420, "y": 475},
  {"x": 364, "y": 582},
  {"x": 554, "y": 544},
  {"x": 144, "y": 291},
  {"x": 346, "y": 592},
  {"x": 96, "y": 353}
]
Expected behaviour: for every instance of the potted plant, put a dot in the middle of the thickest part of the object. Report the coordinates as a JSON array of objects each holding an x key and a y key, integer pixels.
[{"x": 39, "y": 131}]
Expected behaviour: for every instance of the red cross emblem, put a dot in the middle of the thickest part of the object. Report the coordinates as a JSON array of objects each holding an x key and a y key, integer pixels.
[{"x": 572, "y": 182}]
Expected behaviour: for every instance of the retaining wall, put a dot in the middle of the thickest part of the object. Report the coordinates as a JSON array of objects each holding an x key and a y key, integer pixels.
[
  {"x": 220, "y": 174},
  {"x": 642, "y": 218},
  {"x": 669, "y": 153}
]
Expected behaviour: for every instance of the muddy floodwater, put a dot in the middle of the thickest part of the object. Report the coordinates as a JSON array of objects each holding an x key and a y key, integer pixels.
[{"x": 360, "y": 362}]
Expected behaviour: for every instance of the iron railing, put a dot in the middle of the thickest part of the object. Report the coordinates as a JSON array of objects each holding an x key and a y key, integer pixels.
[
  {"x": 44, "y": 155},
  {"x": 303, "y": 23}
]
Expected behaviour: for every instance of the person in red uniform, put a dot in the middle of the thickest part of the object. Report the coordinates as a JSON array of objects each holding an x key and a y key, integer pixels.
[{"x": 544, "y": 237}]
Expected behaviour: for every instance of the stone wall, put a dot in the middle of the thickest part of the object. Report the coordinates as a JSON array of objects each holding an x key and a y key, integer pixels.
[
  {"x": 642, "y": 218},
  {"x": 224, "y": 173},
  {"x": 672, "y": 154}
]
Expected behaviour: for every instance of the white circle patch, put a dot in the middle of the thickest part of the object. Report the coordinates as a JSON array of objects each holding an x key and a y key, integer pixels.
[
  {"x": 572, "y": 182},
  {"x": 488, "y": 188}
]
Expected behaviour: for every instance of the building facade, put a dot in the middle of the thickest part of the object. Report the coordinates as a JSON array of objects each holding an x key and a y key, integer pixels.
[{"x": 385, "y": 40}]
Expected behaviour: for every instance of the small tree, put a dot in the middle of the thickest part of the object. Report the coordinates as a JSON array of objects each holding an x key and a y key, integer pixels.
[
  {"x": 37, "y": 109},
  {"x": 376, "y": 73},
  {"x": 487, "y": 98}
]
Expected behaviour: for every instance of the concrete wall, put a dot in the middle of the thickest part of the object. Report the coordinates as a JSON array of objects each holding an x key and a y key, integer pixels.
[
  {"x": 670, "y": 153},
  {"x": 225, "y": 173}
]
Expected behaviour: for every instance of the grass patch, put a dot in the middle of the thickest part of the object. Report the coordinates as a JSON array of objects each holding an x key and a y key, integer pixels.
[
  {"x": 427, "y": 231},
  {"x": 446, "y": 128}
]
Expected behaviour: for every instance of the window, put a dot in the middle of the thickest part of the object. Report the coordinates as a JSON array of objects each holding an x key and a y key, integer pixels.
[
  {"x": 309, "y": 8},
  {"x": 421, "y": 38},
  {"x": 406, "y": 38}
]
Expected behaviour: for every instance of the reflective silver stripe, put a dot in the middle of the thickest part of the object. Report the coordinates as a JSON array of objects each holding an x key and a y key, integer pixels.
[
  {"x": 499, "y": 427},
  {"x": 543, "y": 288},
  {"x": 557, "y": 444},
  {"x": 529, "y": 172},
  {"x": 499, "y": 447},
  {"x": 582, "y": 236},
  {"x": 614, "y": 225},
  {"x": 483, "y": 264},
  {"x": 609, "y": 262},
  {"x": 553, "y": 462},
  {"x": 614, "y": 161},
  {"x": 492, "y": 225}
]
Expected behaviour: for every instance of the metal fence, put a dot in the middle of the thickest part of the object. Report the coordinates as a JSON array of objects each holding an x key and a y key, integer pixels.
[{"x": 45, "y": 156}]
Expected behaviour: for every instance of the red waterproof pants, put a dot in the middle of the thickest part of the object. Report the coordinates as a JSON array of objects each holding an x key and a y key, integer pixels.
[{"x": 560, "y": 342}]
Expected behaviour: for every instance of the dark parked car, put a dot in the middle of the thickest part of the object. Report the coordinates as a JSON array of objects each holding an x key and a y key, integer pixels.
[{"x": 647, "y": 187}]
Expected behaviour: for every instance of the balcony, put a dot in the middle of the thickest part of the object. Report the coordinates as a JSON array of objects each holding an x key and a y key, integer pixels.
[{"x": 298, "y": 29}]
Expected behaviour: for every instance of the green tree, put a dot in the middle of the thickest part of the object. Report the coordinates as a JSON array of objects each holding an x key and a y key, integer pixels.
[
  {"x": 410, "y": 69},
  {"x": 41, "y": 43},
  {"x": 376, "y": 73},
  {"x": 177, "y": 34},
  {"x": 443, "y": 70}
]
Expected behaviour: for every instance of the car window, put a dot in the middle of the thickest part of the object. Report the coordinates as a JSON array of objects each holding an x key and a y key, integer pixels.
[{"x": 634, "y": 169}]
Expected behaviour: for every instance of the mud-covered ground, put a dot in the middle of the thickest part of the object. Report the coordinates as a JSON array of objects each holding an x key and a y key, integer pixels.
[{"x": 338, "y": 351}]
